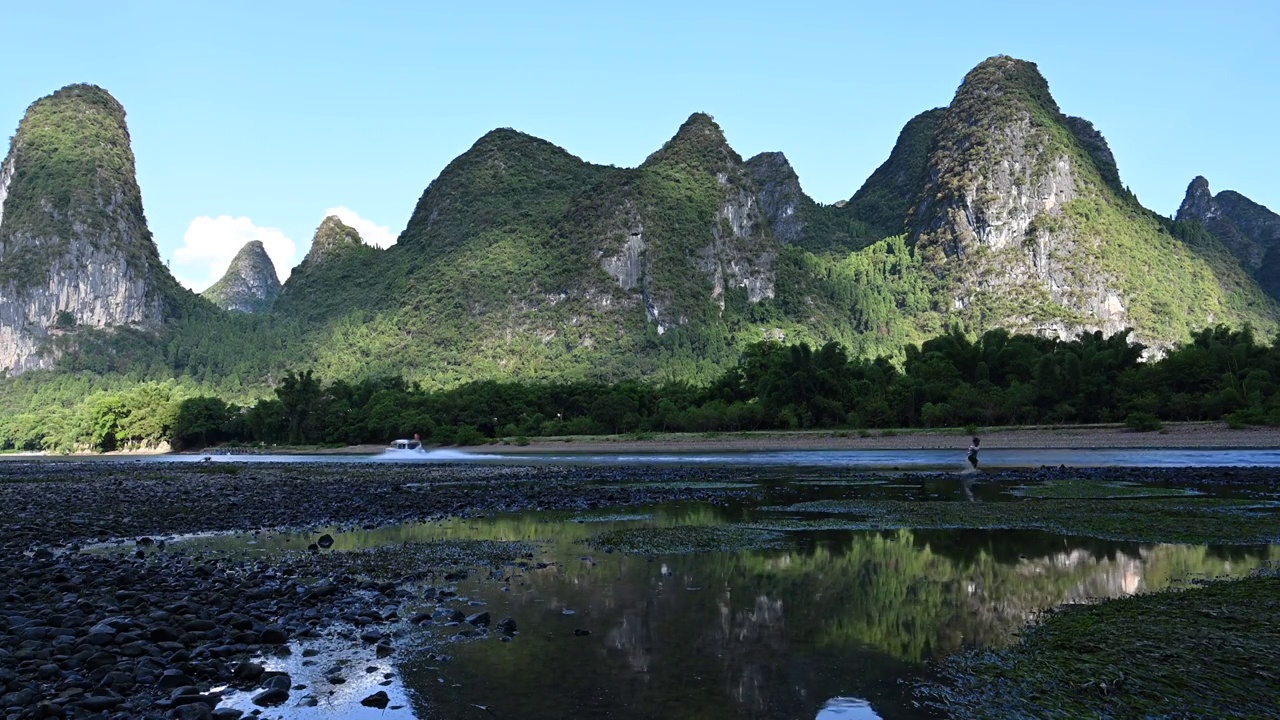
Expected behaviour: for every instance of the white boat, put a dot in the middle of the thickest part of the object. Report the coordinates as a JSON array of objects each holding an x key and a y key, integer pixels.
[{"x": 405, "y": 446}]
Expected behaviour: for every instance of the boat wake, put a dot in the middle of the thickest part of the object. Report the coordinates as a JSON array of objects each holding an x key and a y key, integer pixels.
[{"x": 440, "y": 455}]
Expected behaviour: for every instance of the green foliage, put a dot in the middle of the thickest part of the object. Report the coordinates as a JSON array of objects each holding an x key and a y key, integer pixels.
[
  {"x": 950, "y": 381},
  {"x": 201, "y": 421},
  {"x": 1141, "y": 421},
  {"x": 885, "y": 200}
]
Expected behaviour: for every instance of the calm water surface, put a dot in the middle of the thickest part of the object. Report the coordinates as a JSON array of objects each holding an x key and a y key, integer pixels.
[
  {"x": 850, "y": 459},
  {"x": 832, "y": 625}
]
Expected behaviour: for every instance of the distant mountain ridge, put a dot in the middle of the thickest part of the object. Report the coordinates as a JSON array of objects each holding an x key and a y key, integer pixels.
[
  {"x": 521, "y": 260},
  {"x": 1250, "y": 231}
]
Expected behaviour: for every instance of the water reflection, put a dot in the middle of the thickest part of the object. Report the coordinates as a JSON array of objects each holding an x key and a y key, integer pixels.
[
  {"x": 780, "y": 633},
  {"x": 829, "y": 626}
]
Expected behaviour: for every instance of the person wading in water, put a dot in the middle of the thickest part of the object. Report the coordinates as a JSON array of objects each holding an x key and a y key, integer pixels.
[{"x": 973, "y": 453}]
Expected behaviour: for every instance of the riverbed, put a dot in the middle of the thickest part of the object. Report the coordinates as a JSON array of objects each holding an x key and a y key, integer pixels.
[{"x": 792, "y": 585}]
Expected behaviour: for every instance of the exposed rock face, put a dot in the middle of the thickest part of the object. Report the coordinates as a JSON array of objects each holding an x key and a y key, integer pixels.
[
  {"x": 991, "y": 211},
  {"x": 1249, "y": 230},
  {"x": 729, "y": 244},
  {"x": 332, "y": 238},
  {"x": 1099, "y": 150},
  {"x": 75, "y": 250},
  {"x": 780, "y": 195},
  {"x": 250, "y": 284}
]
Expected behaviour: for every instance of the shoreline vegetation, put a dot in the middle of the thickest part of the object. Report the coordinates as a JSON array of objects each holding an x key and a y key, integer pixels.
[
  {"x": 1186, "y": 435},
  {"x": 953, "y": 381}
]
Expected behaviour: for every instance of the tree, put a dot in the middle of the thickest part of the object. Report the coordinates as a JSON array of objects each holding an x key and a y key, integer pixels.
[{"x": 200, "y": 421}]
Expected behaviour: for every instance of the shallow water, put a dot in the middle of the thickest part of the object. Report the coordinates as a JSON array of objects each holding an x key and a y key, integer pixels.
[
  {"x": 830, "y": 624},
  {"x": 850, "y": 459}
]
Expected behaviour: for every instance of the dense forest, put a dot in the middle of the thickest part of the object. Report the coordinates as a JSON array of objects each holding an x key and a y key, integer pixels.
[{"x": 950, "y": 381}]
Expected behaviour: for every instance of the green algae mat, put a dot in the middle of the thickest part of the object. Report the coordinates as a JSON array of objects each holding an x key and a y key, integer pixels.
[{"x": 1211, "y": 651}]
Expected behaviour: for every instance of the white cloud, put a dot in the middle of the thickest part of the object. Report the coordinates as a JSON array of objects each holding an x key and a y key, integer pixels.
[
  {"x": 210, "y": 243},
  {"x": 370, "y": 231}
]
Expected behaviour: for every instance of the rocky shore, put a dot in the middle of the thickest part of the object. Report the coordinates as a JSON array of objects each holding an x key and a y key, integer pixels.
[{"x": 143, "y": 630}]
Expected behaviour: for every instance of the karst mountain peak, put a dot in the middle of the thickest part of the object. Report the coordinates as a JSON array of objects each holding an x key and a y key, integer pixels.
[{"x": 998, "y": 210}]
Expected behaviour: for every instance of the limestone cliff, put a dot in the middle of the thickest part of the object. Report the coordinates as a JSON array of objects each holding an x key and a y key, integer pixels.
[
  {"x": 781, "y": 198},
  {"x": 249, "y": 285},
  {"x": 688, "y": 227},
  {"x": 75, "y": 251},
  {"x": 1022, "y": 215},
  {"x": 1249, "y": 230}
]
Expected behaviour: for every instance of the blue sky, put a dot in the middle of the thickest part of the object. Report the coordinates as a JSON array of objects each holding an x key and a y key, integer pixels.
[{"x": 252, "y": 120}]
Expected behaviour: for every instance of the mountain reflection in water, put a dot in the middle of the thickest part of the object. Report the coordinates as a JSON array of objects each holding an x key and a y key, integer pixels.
[{"x": 804, "y": 632}]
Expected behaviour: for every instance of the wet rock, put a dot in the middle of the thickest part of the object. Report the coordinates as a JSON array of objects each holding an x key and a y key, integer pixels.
[
  {"x": 579, "y": 632},
  {"x": 274, "y": 635},
  {"x": 98, "y": 703},
  {"x": 271, "y": 697},
  {"x": 378, "y": 700},
  {"x": 480, "y": 619},
  {"x": 194, "y": 711},
  {"x": 248, "y": 672},
  {"x": 227, "y": 714},
  {"x": 325, "y": 541},
  {"x": 280, "y": 681},
  {"x": 173, "y": 678},
  {"x": 507, "y": 625}
]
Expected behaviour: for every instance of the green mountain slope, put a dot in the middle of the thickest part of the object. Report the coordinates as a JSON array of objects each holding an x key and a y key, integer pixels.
[
  {"x": 885, "y": 200},
  {"x": 339, "y": 275},
  {"x": 523, "y": 261}
]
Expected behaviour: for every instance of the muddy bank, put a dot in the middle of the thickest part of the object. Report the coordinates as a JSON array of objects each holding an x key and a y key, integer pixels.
[{"x": 1207, "y": 651}]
